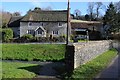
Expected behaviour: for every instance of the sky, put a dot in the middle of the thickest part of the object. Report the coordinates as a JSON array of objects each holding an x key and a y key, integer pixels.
[{"x": 23, "y": 7}]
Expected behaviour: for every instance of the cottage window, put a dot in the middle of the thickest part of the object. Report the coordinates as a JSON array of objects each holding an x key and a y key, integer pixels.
[
  {"x": 42, "y": 24},
  {"x": 30, "y": 31},
  {"x": 59, "y": 24},
  {"x": 55, "y": 32},
  {"x": 30, "y": 24},
  {"x": 39, "y": 32}
]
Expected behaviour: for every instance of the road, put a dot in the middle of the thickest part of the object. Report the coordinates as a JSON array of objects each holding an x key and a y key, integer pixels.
[{"x": 112, "y": 72}]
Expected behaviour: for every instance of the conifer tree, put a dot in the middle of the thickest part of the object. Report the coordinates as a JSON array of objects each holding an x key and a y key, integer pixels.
[{"x": 110, "y": 18}]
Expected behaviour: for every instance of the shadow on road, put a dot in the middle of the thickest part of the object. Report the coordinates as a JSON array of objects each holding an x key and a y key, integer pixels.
[
  {"x": 46, "y": 69},
  {"x": 34, "y": 69}
]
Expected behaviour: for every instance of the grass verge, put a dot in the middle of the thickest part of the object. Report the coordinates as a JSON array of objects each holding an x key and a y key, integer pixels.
[
  {"x": 19, "y": 70},
  {"x": 42, "y": 52},
  {"x": 79, "y": 40},
  {"x": 90, "y": 69}
]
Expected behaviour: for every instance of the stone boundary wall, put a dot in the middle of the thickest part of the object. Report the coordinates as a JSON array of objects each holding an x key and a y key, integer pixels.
[{"x": 86, "y": 51}]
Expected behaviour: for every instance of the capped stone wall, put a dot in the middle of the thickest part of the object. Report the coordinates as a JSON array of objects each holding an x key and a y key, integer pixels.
[{"x": 86, "y": 51}]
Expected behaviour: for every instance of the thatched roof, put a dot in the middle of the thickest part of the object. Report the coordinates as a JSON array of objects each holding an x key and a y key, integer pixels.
[
  {"x": 14, "y": 21},
  {"x": 40, "y": 15},
  {"x": 84, "y": 24}
]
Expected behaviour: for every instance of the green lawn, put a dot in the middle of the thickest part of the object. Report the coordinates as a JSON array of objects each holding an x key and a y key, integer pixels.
[
  {"x": 19, "y": 70},
  {"x": 42, "y": 52},
  {"x": 92, "y": 68}
]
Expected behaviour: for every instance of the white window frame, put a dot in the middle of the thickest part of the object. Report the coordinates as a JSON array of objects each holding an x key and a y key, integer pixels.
[
  {"x": 29, "y": 31},
  {"x": 40, "y": 33},
  {"x": 55, "y": 32}
]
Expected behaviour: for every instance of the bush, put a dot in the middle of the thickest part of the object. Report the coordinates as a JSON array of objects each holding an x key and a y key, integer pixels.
[
  {"x": 72, "y": 37},
  {"x": 40, "y": 39},
  {"x": 43, "y": 39},
  {"x": 30, "y": 38},
  {"x": 7, "y": 34},
  {"x": 0, "y": 34},
  {"x": 27, "y": 37},
  {"x": 58, "y": 39},
  {"x": 47, "y": 39},
  {"x": 62, "y": 38}
]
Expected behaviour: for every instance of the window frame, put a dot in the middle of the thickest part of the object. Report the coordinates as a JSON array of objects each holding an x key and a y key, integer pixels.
[
  {"x": 40, "y": 32},
  {"x": 29, "y": 24},
  {"x": 60, "y": 24},
  {"x": 30, "y": 31},
  {"x": 55, "y": 32},
  {"x": 42, "y": 24}
]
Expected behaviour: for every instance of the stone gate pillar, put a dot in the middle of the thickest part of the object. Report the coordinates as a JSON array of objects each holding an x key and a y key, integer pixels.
[{"x": 69, "y": 58}]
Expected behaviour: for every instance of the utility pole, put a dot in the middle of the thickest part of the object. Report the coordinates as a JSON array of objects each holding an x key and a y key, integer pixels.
[{"x": 68, "y": 22}]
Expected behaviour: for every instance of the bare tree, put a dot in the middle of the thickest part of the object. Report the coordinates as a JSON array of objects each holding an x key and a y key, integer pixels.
[
  {"x": 5, "y": 18},
  {"x": 98, "y": 7},
  {"x": 117, "y": 5},
  {"x": 77, "y": 13},
  {"x": 0, "y": 18},
  {"x": 91, "y": 9},
  {"x": 16, "y": 14}
]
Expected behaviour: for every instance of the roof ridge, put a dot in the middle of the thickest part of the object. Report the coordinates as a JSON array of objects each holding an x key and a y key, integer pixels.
[{"x": 51, "y": 11}]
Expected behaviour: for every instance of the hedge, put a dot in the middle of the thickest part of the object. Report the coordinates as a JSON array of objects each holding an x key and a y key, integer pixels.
[
  {"x": 27, "y": 37},
  {"x": 7, "y": 34}
]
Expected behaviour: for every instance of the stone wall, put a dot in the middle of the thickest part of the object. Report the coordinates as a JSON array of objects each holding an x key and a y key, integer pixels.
[{"x": 86, "y": 51}]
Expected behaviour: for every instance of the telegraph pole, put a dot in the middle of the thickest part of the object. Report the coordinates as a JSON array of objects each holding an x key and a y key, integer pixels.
[
  {"x": 68, "y": 22},
  {"x": 68, "y": 55}
]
